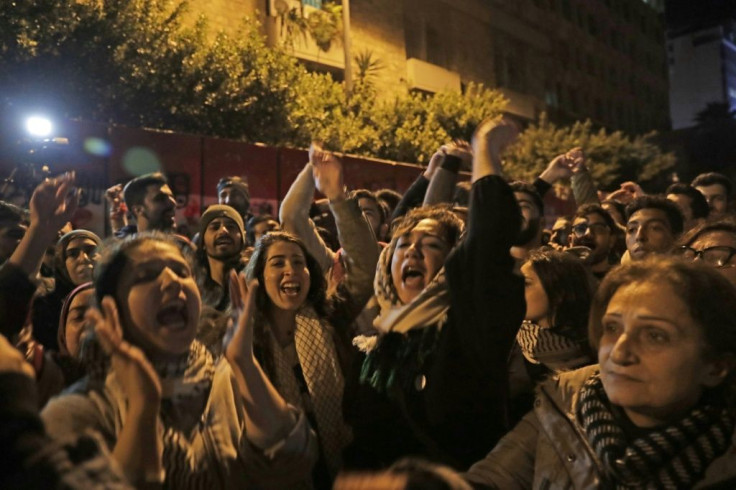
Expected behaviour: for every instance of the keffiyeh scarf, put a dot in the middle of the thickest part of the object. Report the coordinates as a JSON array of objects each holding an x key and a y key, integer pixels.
[
  {"x": 316, "y": 364},
  {"x": 675, "y": 456},
  {"x": 408, "y": 333},
  {"x": 428, "y": 309},
  {"x": 551, "y": 348}
]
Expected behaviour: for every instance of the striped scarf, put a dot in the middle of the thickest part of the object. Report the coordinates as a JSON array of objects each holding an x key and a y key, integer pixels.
[
  {"x": 675, "y": 456},
  {"x": 550, "y": 347}
]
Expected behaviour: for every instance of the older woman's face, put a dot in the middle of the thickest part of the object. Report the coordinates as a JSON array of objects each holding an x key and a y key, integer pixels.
[
  {"x": 651, "y": 355},
  {"x": 159, "y": 299},
  {"x": 419, "y": 255}
]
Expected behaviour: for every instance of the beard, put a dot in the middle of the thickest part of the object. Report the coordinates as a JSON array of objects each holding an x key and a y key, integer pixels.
[
  {"x": 528, "y": 232},
  {"x": 160, "y": 222}
]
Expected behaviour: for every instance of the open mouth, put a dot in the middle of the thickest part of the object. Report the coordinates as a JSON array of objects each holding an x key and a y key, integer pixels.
[
  {"x": 291, "y": 288},
  {"x": 412, "y": 276},
  {"x": 173, "y": 316}
]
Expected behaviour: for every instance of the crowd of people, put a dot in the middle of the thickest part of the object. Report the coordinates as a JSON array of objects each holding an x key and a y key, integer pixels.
[{"x": 442, "y": 338}]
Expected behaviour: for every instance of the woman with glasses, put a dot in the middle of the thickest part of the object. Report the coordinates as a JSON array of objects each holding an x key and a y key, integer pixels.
[{"x": 714, "y": 243}]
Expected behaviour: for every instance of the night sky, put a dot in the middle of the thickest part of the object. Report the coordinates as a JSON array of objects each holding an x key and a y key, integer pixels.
[{"x": 690, "y": 14}]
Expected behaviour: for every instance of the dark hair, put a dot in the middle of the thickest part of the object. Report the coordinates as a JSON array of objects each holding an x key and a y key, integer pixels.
[
  {"x": 251, "y": 224},
  {"x": 451, "y": 225},
  {"x": 366, "y": 194},
  {"x": 461, "y": 197},
  {"x": 670, "y": 209},
  {"x": 10, "y": 213},
  {"x": 233, "y": 180},
  {"x": 529, "y": 189},
  {"x": 712, "y": 178},
  {"x": 709, "y": 297},
  {"x": 134, "y": 191},
  {"x": 390, "y": 197},
  {"x": 726, "y": 224},
  {"x": 115, "y": 257},
  {"x": 591, "y": 208},
  {"x": 698, "y": 203},
  {"x": 317, "y": 295},
  {"x": 568, "y": 286}
]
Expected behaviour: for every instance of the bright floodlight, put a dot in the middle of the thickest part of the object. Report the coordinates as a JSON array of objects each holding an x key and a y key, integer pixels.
[{"x": 38, "y": 126}]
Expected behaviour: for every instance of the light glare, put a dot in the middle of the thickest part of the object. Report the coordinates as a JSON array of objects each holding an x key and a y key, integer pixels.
[{"x": 38, "y": 126}]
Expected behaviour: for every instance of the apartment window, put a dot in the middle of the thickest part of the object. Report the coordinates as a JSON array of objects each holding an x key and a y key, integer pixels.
[{"x": 436, "y": 47}]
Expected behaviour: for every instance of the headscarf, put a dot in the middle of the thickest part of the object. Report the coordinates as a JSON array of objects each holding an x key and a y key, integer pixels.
[
  {"x": 60, "y": 255},
  {"x": 63, "y": 349},
  {"x": 428, "y": 309}
]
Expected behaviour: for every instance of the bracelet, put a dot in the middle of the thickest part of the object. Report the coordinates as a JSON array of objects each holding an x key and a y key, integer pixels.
[{"x": 451, "y": 163}]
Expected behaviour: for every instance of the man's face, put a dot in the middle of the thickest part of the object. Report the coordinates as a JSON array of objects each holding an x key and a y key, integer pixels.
[
  {"x": 592, "y": 231},
  {"x": 159, "y": 208},
  {"x": 716, "y": 196},
  {"x": 648, "y": 232},
  {"x": 10, "y": 236},
  {"x": 372, "y": 213},
  {"x": 530, "y": 218},
  {"x": 222, "y": 238},
  {"x": 265, "y": 227},
  {"x": 231, "y": 196}
]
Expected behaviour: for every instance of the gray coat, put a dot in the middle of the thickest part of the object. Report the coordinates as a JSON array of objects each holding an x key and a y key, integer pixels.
[{"x": 548, "y": 449}]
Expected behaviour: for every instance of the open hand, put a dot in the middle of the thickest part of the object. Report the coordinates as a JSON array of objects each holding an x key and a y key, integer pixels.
[
  {"x": 134, "y": 372},
  {"x": 239, "y": 340},
  {"x": 54, "y": 202}
]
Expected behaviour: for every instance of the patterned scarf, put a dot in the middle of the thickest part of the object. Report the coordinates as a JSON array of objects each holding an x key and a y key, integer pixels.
[
  {"x": 428, "y": 309},
  {"x": 316, "y": 364},
  {"x": 675, "y": 456},
  {"x": 550, "y": 347}
]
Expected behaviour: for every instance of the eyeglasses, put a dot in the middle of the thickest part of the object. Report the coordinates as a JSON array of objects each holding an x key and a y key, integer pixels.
[
  {"x": 595, "y": 228},
  {"x": 715, "y": 256}
]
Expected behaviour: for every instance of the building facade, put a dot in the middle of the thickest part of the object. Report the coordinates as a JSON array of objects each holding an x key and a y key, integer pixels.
[
  {"x": 575, "y": 59},
  {"x": 701, "y": 48}
]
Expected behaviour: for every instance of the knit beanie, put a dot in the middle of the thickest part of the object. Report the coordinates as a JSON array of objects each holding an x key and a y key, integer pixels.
[{"x": 220, "y": 211}]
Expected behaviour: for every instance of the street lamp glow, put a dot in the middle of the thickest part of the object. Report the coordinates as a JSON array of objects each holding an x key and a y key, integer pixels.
[{"x": 38, "y": 126}]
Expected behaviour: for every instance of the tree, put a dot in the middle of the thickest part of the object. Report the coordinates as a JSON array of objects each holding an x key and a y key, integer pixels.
[{"x": 613, "y": 157}]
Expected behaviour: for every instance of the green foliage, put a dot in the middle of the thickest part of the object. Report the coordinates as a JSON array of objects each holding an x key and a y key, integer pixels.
[
  {"x": 612, "y": 157},
  {"x": 141, "y": 63}
]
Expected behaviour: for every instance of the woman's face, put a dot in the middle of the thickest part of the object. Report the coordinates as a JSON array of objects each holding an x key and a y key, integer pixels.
[
  {"x": 160, "y": 300},
  {"x": 419, "y": 255},
  {"x": 81, "y": 255},
  {"x": 651, "y": 355},
  {"x": 286, "y": 276},
  {"x": 74, "y": 330},
  {"x": 537, "y": 303}
]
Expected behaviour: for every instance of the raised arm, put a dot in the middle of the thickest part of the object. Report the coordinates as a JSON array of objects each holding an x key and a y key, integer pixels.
[
  {"x": 268, "y": 418},
  {"x": 360, "y": 249},
  {"x": 138, "y": 448},
  {"x": 294, "y": 214},
  {"x": 490, "y": 140},
  {"x": 52, "y": 205},
  {"x": 454, "y": 157}
]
